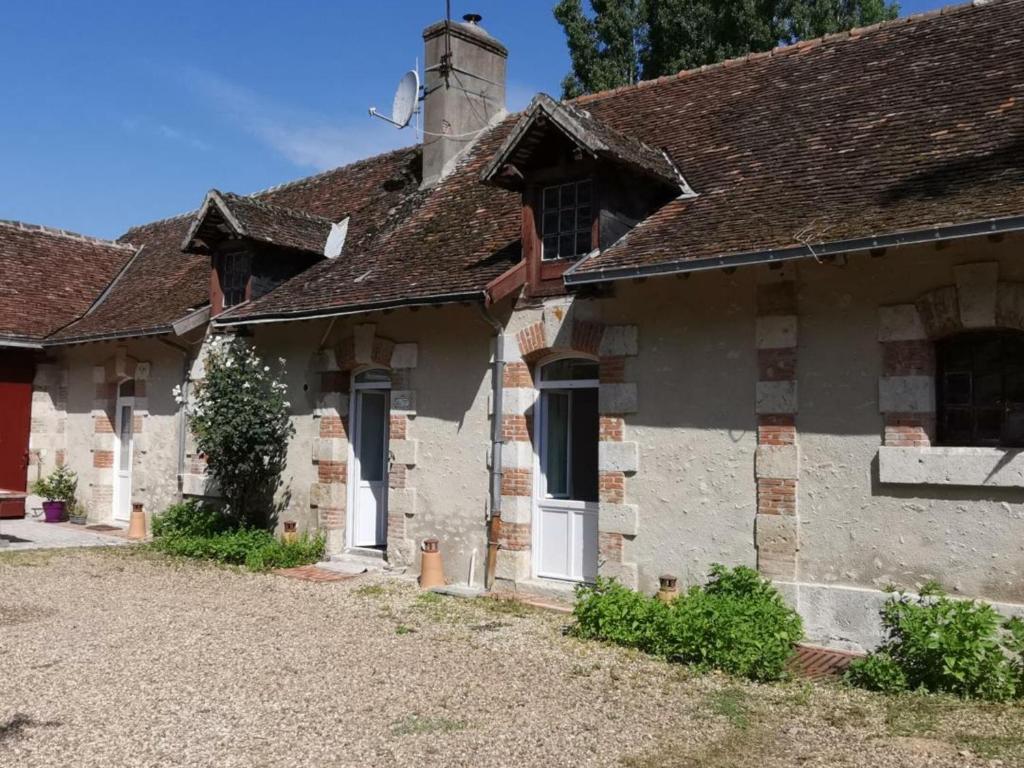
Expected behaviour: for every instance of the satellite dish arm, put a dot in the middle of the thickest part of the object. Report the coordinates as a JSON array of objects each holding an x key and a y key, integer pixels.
[{"x": 385, "y": 118}]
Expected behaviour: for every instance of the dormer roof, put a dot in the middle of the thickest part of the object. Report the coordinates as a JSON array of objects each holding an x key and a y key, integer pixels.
[
  {"x": 224, "y": 214},
  {"x": 586, "y": 132}
]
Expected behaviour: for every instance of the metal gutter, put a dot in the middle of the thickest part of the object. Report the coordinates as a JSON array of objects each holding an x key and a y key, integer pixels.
[
  {"x": 112, "y": 336},
  {"x": 17, "y": 343},
  {"x": 835, "y": 247},
  {"x": 497, "y": 444},
  {"x": 354, "y": 309}
]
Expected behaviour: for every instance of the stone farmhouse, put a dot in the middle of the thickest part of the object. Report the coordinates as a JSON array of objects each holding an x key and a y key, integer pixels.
[{"x": 768, "y": 312}]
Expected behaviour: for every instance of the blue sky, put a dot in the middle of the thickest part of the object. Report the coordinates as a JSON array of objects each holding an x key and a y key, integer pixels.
[{"x": 118, "y": 113}]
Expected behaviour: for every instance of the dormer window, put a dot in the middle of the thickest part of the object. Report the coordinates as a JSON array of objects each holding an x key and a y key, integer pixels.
[
  {"x": 567, "y": 220},
  {"x": 233, "y": 270}
]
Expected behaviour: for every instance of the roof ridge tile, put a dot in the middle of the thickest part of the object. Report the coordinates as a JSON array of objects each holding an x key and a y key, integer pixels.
[
  {"x": 781, "y": 50},
  {"x": 57, "y": 232}
]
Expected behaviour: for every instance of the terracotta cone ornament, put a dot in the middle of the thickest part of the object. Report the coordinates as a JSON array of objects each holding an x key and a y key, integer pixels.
[
  {"x": 431, "y": 570},
  {"x": 137, "y": 523},
  {"x": 291, "y": 532}
]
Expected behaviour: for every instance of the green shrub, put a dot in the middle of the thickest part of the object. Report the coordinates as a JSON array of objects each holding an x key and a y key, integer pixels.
[
  {"x": 609, "y": 611},
  {"x": 942, "y": 645},
  {"x": 278, "y": 554},
  {"x": 190, "y": 518},
  {"x": 59, "y": 485},
  {"x": 877, "y": 672},
  {"x": 737, "y": 623}
]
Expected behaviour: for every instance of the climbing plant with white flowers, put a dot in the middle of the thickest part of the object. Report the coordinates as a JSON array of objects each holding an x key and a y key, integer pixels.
[{"x": 239, "y": 415}]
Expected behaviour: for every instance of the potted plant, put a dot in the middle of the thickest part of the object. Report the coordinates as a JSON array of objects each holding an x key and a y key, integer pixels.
[
  {"x": 58, "y": 489},
  {"x": 77, "y": 513}
]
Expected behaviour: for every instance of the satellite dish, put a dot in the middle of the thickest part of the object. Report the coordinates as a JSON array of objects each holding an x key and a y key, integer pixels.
[{"x": 406, "y": 96}]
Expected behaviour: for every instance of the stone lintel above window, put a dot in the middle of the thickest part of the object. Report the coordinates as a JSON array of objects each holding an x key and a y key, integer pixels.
[{"x": 969, "y": 467}]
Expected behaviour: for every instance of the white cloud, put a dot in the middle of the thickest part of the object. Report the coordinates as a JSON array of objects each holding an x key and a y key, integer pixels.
[
  {"x": 305, "y": 137},
  {"x": 162, "y": 130}
]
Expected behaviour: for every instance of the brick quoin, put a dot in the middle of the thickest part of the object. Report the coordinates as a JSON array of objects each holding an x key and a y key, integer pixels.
[
  {"x": 140, "y": 389},
  {"x": 332, "y": 518},
  {"x": 137, "y": 422},
  {"x": 332, "y": 471},
  {"x": 776, "y": 299},
  {"x": 333, "y": 426},
  {"x": 586, "y": 336},
  {"x": 515, "y": 428},
  {"x": 516, "y": 482},
  {"x": 531, "y": 339},
  {"x": 102, "y": 424},
  {"x": 514, "y": 537},
  {"x": 103, "y": 459},
  {"x": 776, "y": 364},
  {"x": 399, "y": 426},
  {"x": 612, "y": 487},
  {"x": 611, "y": 428},
  {"x": 908, "y": 358},
  {"x": 398, "y": 476},
  {"x": 909, "y": 430},
  {"x": 517, "y": 375},
  {"x": 106, "y": 391},
  {"x": 776, "y": 496},
  {"x": 776, "y": 429},
  {"x": 611, "y": 370},
  {"x": 334, "y": 381},
  {"x": 609, "y": 546}
]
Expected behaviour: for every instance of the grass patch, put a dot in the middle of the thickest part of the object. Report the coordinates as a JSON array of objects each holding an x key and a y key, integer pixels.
[
  {"x": 915, "y": 714},
  {"x": 415, "y": 725},
  {"x": 404, "y": 629},
  {"x": 371, "y": 590},
  {"x": 994, "y": 747},
  {"x": 505, "y": 607},
  {"x": 29, "y": 558},
  {"x": 731, "y": 703}
]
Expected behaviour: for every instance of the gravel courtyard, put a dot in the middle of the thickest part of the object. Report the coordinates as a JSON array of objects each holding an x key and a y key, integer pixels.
[{"x": 123, "y": 658}]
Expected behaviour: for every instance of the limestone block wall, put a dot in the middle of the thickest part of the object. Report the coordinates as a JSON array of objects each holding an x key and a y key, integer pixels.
[{"x": 47, "y": 436}]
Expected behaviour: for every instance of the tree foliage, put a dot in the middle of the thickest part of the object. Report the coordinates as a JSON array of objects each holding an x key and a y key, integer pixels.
[
  {"x": 240, "y": 420},
  {"x": 622, "y": 41}
]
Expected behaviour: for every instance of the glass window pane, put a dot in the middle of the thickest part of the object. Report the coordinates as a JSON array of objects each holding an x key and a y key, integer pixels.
[
  {"x": 569, "y": 369},
  {"x": 958, "y": 426},
  {"x": 989, "y": 425},
  {"x": 550, "y": 198},
  {"x": 372, "y": 426},
  {"x": 556, "y": 446},
  {"x": 568, "y": 195},
  {"x": 988, "y": 389},
  {"x": 583, "y": 192},
  {"x": 373, "y": 375},
  {"x": 957, "y": 389},
  {"x": 126, "y": 438},
  {"x": 583, "y": 479},
  {"x": 582, "y": 243},
  {"x": 567, "y": 245},
  {"x": 567, "y": 220},
  {"x": 551, "y": 247},
  {"x": 583, "y": 218},
  {"x": 550, "y": 221}
]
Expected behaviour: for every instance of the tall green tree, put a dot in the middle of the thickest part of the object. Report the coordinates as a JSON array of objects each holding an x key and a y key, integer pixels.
[{"x": 621, "y": 41}]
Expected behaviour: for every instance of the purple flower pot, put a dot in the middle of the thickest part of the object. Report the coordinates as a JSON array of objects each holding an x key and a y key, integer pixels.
[{"x": 53, "y": 511}]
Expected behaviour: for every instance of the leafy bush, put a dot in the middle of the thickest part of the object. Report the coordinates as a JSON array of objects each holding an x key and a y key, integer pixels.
[
  {"x": 240, "y": 419},
  {"x": 939, "y": 644},
  {"x": 201, "y": 531},
  {"x": 190, "y": 518},
  {"x": 59, "y": 485},
  {"x": 737, "y": 623}
]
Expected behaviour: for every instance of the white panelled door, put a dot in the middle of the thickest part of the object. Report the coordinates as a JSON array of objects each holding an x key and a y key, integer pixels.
[
  {"x": 566, "y": 500},
  {"x": 369, "y": 478},
  {"x": 123, "y": 449}
]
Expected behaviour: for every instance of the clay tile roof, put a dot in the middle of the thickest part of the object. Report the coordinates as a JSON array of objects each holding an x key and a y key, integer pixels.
[
  {"x": 445, "y": 243},
  {"x": 905, "y": 126},
  {"x": 588, "y": 133},
  {"x": 50, "y": 277},
  {"x": 164, "y": 284},
  {"x": 262, "y": 221}
]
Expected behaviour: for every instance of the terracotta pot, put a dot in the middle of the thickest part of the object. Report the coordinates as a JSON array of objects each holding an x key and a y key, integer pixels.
[
  {"x": 53, "y": 511},
  {"x": 137, "y": 523},
  {"x": 431, "y": 570},
  {"x": 667, "y": 591},
  {"x": 291, "y": 532}
]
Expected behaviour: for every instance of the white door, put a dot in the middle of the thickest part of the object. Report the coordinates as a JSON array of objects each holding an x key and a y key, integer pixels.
[
  {"x": 369, "y": 494},
  {"x": 123, "y": 419},
  {"x": 566, "y": 501}
]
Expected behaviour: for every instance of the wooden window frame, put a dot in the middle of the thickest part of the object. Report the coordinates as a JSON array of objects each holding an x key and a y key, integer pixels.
[
  {"x": 973, "y": 410},
  {"x": 218, "y": 292}
]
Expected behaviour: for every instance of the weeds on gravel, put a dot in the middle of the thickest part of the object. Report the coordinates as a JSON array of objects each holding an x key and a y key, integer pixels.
[
  {"x": 730, "y": 703},
  {"x": 415, "y": 725}
]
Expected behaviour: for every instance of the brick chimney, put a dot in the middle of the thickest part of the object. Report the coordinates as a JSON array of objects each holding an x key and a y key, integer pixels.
[{"x": 464, "y": 91}]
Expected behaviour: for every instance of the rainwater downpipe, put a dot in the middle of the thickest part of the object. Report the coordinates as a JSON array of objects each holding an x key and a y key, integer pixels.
[
  {"x": 497, "y": 439},
  {"x": 186, "y": 380}
]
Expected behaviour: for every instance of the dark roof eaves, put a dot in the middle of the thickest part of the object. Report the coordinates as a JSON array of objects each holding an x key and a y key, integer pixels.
[{"x": 936, "y": 233}]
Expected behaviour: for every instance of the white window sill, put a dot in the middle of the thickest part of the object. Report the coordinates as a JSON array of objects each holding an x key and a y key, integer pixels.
[{"x": 974, "y": 467}]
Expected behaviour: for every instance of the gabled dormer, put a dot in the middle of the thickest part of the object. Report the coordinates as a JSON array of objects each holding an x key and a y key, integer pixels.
[
  {"x": 255, "y": 246},
  {"x": 584, "y": 186}
]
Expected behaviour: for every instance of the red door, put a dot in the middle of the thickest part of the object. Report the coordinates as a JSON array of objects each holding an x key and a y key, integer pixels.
[{"x": 16, "y": 371}]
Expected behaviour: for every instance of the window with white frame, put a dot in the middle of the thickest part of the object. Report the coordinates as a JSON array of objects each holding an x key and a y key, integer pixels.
[{"x": 569, "y": 440}]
